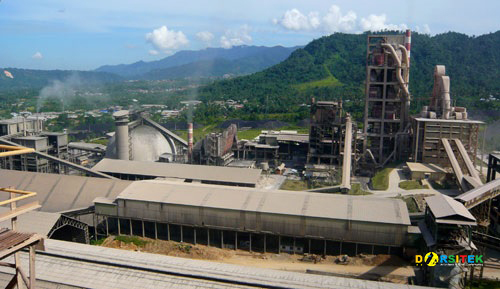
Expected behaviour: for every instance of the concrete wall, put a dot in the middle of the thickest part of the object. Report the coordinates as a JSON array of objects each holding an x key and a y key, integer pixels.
[{"x": 286, "y": 225}]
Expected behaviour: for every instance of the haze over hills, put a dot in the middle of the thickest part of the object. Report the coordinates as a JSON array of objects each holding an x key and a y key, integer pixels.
[
  {"x": 236, "y": 60},
  {"x": 333, "y": 67}
]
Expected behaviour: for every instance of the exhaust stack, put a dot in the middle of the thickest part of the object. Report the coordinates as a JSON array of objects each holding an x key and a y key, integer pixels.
[
  {"x": 408, "y": 43},
  {"x": 190, "y": 141}
]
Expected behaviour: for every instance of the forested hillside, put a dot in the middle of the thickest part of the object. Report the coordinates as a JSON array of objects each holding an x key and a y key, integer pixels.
[{"x": 333, "y": 67}]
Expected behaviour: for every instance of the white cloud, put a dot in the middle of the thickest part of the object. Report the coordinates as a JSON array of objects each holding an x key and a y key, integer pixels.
[
  {"x": 205, "y": 36},
  {"x": 166, "y": 40},
  {"x": 37, "y": 55},
  {"x": 153, "y": 52},
  {"x": 377, "y": 22},
  {"x": 294, "y": 20},
  {"x": 236, "y": 37},
  {"x": 334, "y": 21}
]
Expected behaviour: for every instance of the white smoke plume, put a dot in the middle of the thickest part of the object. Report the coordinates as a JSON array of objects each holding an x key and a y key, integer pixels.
[{"x": 62, "y": 90}]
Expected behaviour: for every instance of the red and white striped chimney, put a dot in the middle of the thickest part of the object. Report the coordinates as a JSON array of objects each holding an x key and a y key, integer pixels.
[
  {"x": 408, "y": 42},
  {"x": 190, "y": 141}
]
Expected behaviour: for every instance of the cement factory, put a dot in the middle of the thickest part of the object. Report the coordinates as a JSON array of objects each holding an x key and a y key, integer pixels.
[{"x": 224, "y": 192}]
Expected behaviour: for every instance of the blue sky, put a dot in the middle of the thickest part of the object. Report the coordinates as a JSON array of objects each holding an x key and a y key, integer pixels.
[{"x": 50, "y": 34}]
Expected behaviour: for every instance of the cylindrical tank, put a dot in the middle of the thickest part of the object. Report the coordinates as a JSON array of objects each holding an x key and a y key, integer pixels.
[{"x": 121, "y": 134}]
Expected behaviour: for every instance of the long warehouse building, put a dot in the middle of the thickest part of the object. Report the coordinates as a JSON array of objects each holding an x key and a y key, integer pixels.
[
  {"x": 137, "y": 170},
  {"x": 231, "y": 217}
]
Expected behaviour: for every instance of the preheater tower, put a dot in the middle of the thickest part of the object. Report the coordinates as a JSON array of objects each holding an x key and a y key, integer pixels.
[{"x": 387, "y": 98}]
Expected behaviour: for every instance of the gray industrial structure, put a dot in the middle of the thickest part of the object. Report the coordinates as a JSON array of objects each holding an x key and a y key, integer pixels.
[
  {"x": 135, "y": 170},
  {"x": 256, "y": 219},
  {"x": 216, "y": 149},
  {"x": 274, "y": 148}
]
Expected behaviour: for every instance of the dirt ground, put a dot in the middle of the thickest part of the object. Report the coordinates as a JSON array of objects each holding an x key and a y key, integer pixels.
[{"x": 372, "y": 267}]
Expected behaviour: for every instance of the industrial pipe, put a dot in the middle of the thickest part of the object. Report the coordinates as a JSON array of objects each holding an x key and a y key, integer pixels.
[
  {"x": 446, "y": 101},
  {"x": 398, "y": 69}
]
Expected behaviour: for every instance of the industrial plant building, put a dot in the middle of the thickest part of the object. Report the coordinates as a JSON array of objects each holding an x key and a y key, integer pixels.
[
  {"x": 255, "y": 219},
  {"x": 387, "y": 99}
]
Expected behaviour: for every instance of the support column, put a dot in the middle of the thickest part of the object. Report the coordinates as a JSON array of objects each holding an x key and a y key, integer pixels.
[
  {"x": 236, "y": 241},
  {"x": 324, "y": 247},
  {"x": 250, "y": 242},
  {"x": 194, "y": 232},
  {"x": 293, "y": 249},
  {"x": 156, "y": 231},
  {"x": 309, "y": 240},
  {"x": 32, "y": 267},
  {"x": 168, "y": 232},
  {"x": 264, "y": 243},
  {"x": 208, "y": 237},
  {"x": 279, "y": 244},
  {"x": 119, "y": 231},
  {"x": 131, "y": 228},
  {"x": 95, "y": 227},
  {"x": 356, "y": 251},
  {"x": 143, "y": 233},
  {"x": 107, "y": 226},
  {"x": 340, "y": 249},
  {"x": 222, "y": 239},
  {"x": 182, "y": 237}
]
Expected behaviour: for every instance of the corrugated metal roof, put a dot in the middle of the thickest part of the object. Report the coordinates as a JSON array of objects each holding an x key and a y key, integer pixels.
[
  {"x": 330, "y": 206},
  {"x": 445, "y": 207},
  {"x": 33, "y": 222},
  {"x": 181, "y": 171},
  {"x": 89, "y": 266},
  {"x": 60, "y": 192}
]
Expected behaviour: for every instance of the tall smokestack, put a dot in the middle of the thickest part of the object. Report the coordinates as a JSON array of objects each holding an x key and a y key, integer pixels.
[
  {"x": 190, "y": 141},
  {"x": 121, "y": 134},
  {"x": 408, "y": 43}
]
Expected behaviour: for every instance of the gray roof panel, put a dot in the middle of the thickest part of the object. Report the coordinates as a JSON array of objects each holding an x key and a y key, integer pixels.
[
  {"x": 181, "y": 171},
  {"x": 330, "y": 206}
]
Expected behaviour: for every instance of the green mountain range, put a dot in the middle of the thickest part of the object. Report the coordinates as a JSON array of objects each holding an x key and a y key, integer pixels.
[{"x": 333, "y": 67}]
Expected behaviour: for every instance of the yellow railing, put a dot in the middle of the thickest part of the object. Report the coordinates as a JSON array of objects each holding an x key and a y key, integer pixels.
[
  {"x": 14, "y": 150},
  {"x": 24, "y": 195}
]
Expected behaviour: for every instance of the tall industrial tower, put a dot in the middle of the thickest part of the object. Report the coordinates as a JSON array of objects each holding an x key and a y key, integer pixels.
[{"x": 387, "y": 99}]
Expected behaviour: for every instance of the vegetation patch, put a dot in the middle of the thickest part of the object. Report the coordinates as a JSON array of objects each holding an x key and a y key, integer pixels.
[
  {"x": 294, "y": 185},
  {"x": 131, "y": 239},
  {"x": 329, "y": 81},
  {"x": 412, "y": 185},
  {"x": 381, "y": 179},
  {"x": 97, "y": 242}
]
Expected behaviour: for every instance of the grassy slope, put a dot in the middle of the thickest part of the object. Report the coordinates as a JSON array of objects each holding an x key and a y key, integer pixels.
[{"x": 381, "y": 179}]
